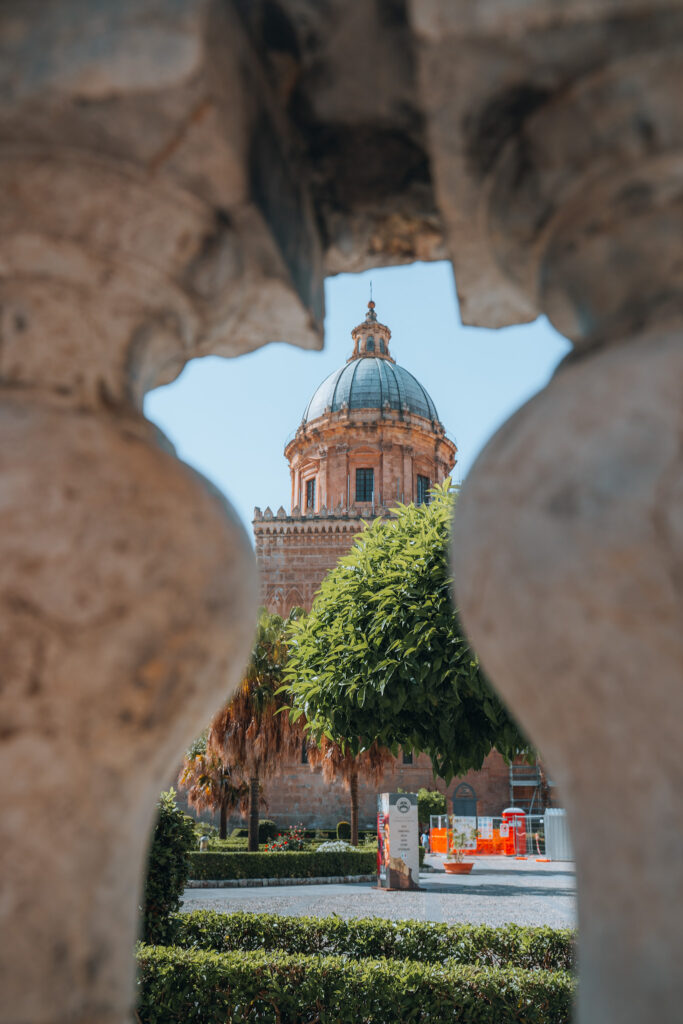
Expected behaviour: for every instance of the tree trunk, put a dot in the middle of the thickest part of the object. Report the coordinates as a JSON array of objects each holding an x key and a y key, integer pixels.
[
  {"x": 253, "y": 813},
  {"x": 353, "y": 787},
  {"x": 223, "y": 827}
]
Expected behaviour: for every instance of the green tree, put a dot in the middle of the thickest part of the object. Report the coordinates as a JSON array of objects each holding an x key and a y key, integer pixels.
[
  {"x": 382, "y": 657},
  {"x": 167, "y": 872},
  {"x": 247, "y": 731},
  {"x": 429, "y": 801}
]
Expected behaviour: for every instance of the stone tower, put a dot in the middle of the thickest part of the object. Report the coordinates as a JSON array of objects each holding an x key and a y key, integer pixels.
[{"x": 370, "y": 437}]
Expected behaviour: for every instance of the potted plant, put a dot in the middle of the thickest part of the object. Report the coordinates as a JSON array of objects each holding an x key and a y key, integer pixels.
[{"x": 455, "y": 863}]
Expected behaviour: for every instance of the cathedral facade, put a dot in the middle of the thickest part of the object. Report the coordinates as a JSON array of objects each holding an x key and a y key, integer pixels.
[{"x": 370, "y": 437}]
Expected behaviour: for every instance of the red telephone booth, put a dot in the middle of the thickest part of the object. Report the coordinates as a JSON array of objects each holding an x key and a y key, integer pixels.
[{"x": 515, "y": 843}]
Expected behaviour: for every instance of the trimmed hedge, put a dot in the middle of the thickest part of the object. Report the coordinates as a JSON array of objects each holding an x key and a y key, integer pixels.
[
  {"x": 217, "y": 865},
  {"x": 297, "y": 864},
  {"x": 511, "y": 946},
  {"x": 267, "y": 830},
  {"x": 181, "y": 985}
]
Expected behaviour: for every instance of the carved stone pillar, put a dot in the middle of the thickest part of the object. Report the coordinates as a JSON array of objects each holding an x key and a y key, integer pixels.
[
  {"x": 140, "y": 159},
  {"x": 567, "y": 553}
]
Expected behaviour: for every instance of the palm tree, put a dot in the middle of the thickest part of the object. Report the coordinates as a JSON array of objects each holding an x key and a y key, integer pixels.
[
  {"x": 342, "y": 763},
  {"x": 213, "y": 785},
  {"x": 248, "y": 731}
]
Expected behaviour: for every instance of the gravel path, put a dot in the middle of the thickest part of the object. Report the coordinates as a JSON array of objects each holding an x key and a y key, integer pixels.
[{"x": 499, "y": 890}]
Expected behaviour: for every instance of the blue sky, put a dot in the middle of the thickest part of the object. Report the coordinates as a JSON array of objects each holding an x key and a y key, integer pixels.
[{"x": 230, "y": 418}]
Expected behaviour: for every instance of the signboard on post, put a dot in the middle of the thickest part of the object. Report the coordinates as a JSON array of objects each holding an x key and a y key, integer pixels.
[{"x": 398, "y": 848}]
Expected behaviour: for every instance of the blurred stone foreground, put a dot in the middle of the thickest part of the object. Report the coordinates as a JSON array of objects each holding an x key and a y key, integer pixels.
[{"x": 176, "y": 179}]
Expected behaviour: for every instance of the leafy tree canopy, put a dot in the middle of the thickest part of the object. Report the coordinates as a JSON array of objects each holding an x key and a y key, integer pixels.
[
  {"x": 429, "y": 802},
  {"x": 382, "y": 656}
]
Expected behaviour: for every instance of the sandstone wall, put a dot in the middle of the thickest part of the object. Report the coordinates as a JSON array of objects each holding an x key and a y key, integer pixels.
[{"x": 299, "y": 794}]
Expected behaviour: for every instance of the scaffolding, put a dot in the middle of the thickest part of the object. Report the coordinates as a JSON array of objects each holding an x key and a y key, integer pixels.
[{"x": 526, "y": 788}]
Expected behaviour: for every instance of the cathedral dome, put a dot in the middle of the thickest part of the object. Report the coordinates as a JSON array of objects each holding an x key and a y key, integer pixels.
[
  {"x": 370, "y": 379},
  {"x": 370, "y": 383}
]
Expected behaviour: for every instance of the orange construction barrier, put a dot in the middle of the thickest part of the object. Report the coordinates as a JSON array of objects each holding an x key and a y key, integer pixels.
[{"x": 438, "y": 843}]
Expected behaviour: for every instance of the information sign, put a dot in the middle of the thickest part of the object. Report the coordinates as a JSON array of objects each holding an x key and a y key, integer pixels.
[
  {"x": 485, "y": 827},
  {"x": 398, "y": 849}
]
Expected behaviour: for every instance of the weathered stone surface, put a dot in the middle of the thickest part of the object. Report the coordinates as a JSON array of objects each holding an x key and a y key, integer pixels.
[
  {"x": 298, "y": 794},
  {"x": 156, "y": 210},
  {"x": 127, "y": 596},
  {"x": 175, "y": 178},
  {"x": 569, "y": 569},
  {"x": 539, "y": 118}
]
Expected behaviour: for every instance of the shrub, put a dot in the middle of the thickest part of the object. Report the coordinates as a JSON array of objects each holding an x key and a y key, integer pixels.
[
  {"x": 305, "y": 864},
  {"x": 203, "y": 828},
  {"x": 178, "y": 985},
  {"x": 267, "y": 829},
  {"x": 231, "y": 844},
  {"x": 343, "y": 830},
  {"x": 167, "y": 872},
  {"x": 429, "y": 801},
  {"x": 335, "y": 846},
  {"x": 509, "y": 946}
]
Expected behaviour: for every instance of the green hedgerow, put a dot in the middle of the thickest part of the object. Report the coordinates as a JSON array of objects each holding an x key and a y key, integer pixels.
[
  {"x": 181, "y": 985},
  {"x": 540, "y": 948},
  {"x": 295, "y": 864}
]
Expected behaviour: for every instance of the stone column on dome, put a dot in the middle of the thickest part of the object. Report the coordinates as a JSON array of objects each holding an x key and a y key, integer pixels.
[
  {"x": 130, "y": 242},
  {"x": 323, "y": 477},
  {"x": 569, "y": 530},
  {"x": 301, "y": 503},
  {"x": 408, "y": 454},
  {"x": 350, "y": 496},
  {"x": 380, "y": 476}
]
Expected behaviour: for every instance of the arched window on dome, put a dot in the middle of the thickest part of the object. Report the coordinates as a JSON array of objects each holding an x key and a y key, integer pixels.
[
  {"x": 382, "y": 346},
  {"x": 370, "y": 344}
]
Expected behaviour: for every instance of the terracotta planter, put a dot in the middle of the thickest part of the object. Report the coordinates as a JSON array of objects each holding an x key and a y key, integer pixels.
[{"x": 454, "y": 867}]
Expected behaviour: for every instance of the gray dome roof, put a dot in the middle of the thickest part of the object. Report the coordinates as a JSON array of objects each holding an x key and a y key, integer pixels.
[{"x": 369, "y": 383}]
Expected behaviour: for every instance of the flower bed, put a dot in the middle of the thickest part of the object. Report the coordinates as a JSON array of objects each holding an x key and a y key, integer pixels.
[
  {"x": 510, "y": 946},
  {"x": 179, "y": 985},
  {"x": 291, "y": 842}
]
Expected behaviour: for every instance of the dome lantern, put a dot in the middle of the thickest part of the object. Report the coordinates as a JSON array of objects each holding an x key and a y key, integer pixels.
[
  {"x": 371, "y": 338},
  {"x": 371, "y": 379}
]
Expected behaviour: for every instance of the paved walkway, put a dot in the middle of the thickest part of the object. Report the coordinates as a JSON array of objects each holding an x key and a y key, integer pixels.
[{"x": 499, "y": 890}]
